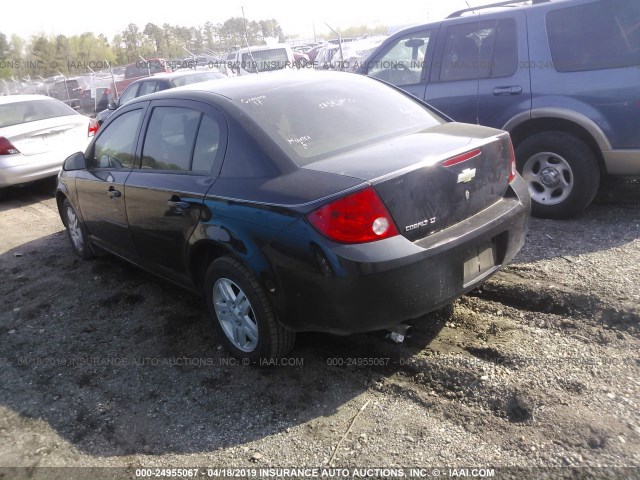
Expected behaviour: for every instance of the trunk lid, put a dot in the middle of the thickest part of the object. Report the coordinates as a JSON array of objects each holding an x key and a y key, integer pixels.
[
  {"x": 52, "y": 134},
  {"x": 432, "y": 179}
]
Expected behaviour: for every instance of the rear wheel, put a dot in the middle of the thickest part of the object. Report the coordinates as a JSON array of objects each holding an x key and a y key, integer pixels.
[
  {"x": 241, "y": 313},
  {"x": 76, "y": 232},
  {"x": 561, "y": 171}
]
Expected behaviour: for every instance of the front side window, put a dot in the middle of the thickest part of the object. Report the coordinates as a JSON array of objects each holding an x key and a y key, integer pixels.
[
  {"x": 403, "y": 61},
  {"x": 595, "y": 36},
  {"x": 170, "y": 138},
  {"x": 115, "y": 147}
]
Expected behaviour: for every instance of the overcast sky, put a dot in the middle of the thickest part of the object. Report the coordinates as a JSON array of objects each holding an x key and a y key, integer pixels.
[{"x": 53, "y": 17}]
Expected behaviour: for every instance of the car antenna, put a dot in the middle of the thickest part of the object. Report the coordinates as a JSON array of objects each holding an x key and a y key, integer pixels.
[
  {"x": 339, "y": 45},
  {"x": 246, "y": 40}
]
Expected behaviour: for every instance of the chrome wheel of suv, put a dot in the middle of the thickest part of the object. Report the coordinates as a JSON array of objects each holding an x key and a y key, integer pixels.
[
  {"x": 562, "y": 173},
  {"x": 549, "y": 177}
]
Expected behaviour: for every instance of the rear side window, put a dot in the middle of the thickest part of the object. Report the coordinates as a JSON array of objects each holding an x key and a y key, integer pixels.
[
  {"x": 170, "y": 139},
  {"x": 207, "y": 145},
  {"x": 480, "y": 50},
  {"x": 115, "y": 147},
  {"x": 595, "y": 36},
  {"x": 32, "y": 110}
]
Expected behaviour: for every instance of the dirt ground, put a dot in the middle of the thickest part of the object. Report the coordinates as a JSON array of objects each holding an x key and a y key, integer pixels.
[{"x": 103, "y": 365}]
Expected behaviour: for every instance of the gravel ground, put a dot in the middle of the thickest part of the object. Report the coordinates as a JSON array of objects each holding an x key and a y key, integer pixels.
[{"x": 103, "y": 365}]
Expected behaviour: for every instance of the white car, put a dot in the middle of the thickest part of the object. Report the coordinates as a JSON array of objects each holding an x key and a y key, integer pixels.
[{"x": 37, "y": 134}]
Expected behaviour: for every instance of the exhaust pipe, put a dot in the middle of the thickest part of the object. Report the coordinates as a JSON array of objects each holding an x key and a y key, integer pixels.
[{"x": 399, "y": 332}]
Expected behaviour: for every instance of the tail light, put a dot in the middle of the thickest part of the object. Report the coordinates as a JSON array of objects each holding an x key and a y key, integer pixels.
[
  {"x": 7, "y": 148},
  {"x": 356, "y": 218},
  {"x": 93, "y": 127},
  {"x": 512, "y": 163}
]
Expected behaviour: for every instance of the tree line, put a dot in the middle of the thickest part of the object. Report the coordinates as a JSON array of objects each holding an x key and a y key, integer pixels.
[{"x": 44, "y": 56}]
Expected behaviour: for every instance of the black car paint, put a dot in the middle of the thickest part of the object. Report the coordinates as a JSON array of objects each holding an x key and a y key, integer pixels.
[{"x": 315, "y": 284}]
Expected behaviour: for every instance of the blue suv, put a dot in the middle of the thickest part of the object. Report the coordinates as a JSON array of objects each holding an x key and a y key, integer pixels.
[{"x": 562, "y": 76}]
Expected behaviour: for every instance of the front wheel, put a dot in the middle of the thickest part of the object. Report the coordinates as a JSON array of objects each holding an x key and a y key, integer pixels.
[
  {"x": 241, "y": 313},
  {"x": 561, "y": 171},
  {"x": 76, "y": 232}
]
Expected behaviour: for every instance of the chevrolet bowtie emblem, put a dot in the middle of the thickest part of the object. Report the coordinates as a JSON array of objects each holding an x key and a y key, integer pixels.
[{"x": 466, "y": 175}]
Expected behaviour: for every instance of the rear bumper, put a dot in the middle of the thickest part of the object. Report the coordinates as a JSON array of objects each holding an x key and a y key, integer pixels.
[
  {"x": 377, "y": 285},
  {"x": 17, "y": 169},
  {"x": 622, "y": 162}
]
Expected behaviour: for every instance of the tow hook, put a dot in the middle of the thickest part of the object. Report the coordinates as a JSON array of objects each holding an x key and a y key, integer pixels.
[{"x": 399, "y": 332}]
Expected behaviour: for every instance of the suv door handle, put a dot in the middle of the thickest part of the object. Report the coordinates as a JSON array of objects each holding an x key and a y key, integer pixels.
[
  {"x": 510, "y": 90},
  {"x": 175, "y": 202},
  {"x": 113, "y": 193}
]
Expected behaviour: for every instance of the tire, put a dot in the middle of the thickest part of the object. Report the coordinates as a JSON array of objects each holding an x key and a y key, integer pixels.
[
  {"x": 561, "y": 171},
  {"x": 76, "y": 232},
  {"x": 250, "y": 331}
]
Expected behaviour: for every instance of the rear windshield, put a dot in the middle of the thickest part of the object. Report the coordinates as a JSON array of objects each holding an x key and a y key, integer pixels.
[
  {"x": 312, "y": 121},
  {"x": 195, "y": 78},
  {"x": 32, "y": 110},
  {"x": 143, "y": 69},
  {"x": 265, "y": 60}
]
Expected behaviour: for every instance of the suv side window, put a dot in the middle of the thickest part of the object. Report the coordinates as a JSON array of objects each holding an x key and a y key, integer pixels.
[
  {"x": 170, "y": 138},
  {"x": 147, "y": 87},
  {"x": 595, "y": 36},
  {"x": 476, "y": 50},
  {"x": 115, "y": 147},
  {"x": 403, "y": 62},
  {"x": 129, "y": 94}
]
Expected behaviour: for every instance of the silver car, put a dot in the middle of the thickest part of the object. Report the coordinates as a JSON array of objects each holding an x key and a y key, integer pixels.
[{"x": 37, "y": 133}]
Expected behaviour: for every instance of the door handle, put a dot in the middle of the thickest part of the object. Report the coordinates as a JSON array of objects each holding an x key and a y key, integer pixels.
[
  {"x": 510, "y": 90},
  {"x": 113, "y": 193},
  {"x": 175, "y": 202}
]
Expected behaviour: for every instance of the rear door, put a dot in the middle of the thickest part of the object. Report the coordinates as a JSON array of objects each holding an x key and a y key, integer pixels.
[
  {"x": 477, "y": 75},
  {"x": 100, "y": 187},
  {"x": 182, "y": 152}
]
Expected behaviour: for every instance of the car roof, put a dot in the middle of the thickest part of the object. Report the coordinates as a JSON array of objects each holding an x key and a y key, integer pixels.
[
  {"x": 4, "y": 100},
  {"x": 169, "y": 76},
  {"x": 237, "y": 88}
]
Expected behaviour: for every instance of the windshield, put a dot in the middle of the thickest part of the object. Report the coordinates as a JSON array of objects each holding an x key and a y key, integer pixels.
[
  {"x": 31, "y": 111},
  {"x": 265, "y": 60},
  {"x": 311, "y": 121}
]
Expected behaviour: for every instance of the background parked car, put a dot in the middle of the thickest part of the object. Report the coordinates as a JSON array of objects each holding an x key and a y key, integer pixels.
[
  {"x": 298, "y": 201},
  {"x": 263, "y": 59},
  {"x": 36, "y": 134},
  {"x": 561, "y": 77},
  {"x": 155, "y": 84}
]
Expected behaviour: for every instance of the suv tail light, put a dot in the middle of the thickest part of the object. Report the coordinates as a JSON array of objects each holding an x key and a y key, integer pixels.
[
  {"x": 356, "y": 218},
  {"x": 512, "y": 162},
  {"x": 93, "y": 127},
  {"x": 7, "y": 148}
]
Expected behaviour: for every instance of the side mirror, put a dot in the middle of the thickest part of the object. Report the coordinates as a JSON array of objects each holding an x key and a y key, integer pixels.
[
  {"x": 75, "y": 162},
  {"x": 113, "y": 105}
]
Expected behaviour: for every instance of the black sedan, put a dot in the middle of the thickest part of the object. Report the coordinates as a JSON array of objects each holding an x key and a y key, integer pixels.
[
  {"x": 298, "y": 201},
  {"x": 157, "y": 83}
]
